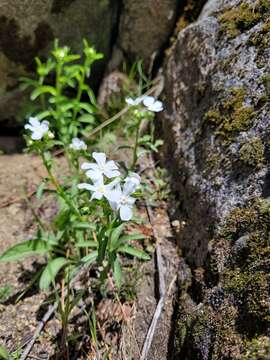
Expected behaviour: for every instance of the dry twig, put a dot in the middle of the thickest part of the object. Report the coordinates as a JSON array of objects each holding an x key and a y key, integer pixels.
[{"x": 162, "y": 290}]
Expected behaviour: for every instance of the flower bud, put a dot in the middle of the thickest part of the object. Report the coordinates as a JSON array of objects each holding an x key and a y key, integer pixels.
[{"x": 50, "y": 135}]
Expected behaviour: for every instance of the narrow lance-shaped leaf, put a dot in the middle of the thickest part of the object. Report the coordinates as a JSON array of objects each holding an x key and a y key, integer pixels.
[
  {"x": 50, "y": 272},
  {"x": 43, "y": 90},
  {"x": 90, "y": 258},
  {"x": 134, "y": 252},
  {"x": 84, "y": 244},
  {"x": 115, "y": 235},
  {"x": 136, "y": 236},
  {"x": 4, "y": 353},
  {"x": 26, "y": 248}
]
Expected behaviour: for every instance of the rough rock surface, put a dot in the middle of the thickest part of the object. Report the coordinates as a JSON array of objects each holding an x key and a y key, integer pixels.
[
  {"x": 216, "y": 129},
  {"x": 27, "y": 28},
  {"x": 145, "y": 28}
]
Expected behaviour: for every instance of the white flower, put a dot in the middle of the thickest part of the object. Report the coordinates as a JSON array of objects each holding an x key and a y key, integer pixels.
[
  {"x": 134, "y": 102},
  {"x": 123, "y": 201},
  {"x": 77, "y": 144},
  {"x": 39, "y": 129},
  {"x": 100, "y": 190},
  {"x": 152, "y": 104},
  {"x": 102, "y": 167},
  {"x": 132, "y": 182}
]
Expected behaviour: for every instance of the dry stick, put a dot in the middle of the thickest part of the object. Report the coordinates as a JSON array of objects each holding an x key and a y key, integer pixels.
[
  {"x": 47, "y": 316},
  {"x": 162, "y": 290}
]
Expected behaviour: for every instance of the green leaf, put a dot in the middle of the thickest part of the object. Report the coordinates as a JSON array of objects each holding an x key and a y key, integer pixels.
[
  {"x": 136, "y": 236},
  {"x": 87, "y": 118},
  {"x": 62, "y": 218},
  {"x": 115, "y": 235},
  {"x": 117, "y": 273},
  {"x": 66, "y": 107},
  {"x": 26, "y": 248},
  {"x": 90, "y": 257},
  {"x": 91, "y": 244},
  {"x": 4, "y": 353},
  {"x": 43, "y": 114},
  {"x": 51, "y": 270},
  {"x": 87, "y": 107},
  {"x": 134, "y": 252},
  {"x": 83, "y": 225},
  {"x": 72, "y": 57},
  {"x": 45, "y": 89},
  {"x": 40, "y": 190}
]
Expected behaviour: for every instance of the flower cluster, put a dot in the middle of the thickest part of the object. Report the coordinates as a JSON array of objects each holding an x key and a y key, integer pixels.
[
  {"x": 149, "y": 102},
  {"x": 119, "y": 198},
  {"x": 40, "y": 128}
]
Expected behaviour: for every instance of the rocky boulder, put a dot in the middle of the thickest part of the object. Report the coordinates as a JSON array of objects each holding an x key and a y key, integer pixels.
[
  {"x": 145, "y": 28},
  {"x": 28, "y": 28},
  {"x": 216, "y": 129}
]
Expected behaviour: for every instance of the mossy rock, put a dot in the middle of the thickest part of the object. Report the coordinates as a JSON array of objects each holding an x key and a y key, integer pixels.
[
  {"x": 243, "y": 17},
  {"x": 231, "y": 116},
  {"x": 252, "y": 153}
]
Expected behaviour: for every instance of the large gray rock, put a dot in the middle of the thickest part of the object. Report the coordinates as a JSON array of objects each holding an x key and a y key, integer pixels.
[
  {"x": 145, "y": 28},
  {"x": 27, "y": 29},
  {"x": 216, "y": 128}
]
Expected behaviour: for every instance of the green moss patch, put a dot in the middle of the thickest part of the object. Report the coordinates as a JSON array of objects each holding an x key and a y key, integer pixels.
[
  {"x": 247, "y": 275},
  {"x": 231, "y": 116},
  {"x": 257, "y": 349},
  {"x": 232, "y": 322},
  {"x": 238, "y": 19},
  {"x": 261, "y": 38},
  {"x": 252, "y": 153}
]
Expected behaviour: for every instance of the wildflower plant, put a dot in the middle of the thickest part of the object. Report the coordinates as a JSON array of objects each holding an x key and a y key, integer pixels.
[
  {"x": 143, "y": 108},
  {"x": 95, "y": 201},
  {"x": 62, "y": 75}
]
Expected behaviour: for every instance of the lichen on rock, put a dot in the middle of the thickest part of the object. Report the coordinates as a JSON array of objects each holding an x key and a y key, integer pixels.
[{"x": 217, "y": 150}]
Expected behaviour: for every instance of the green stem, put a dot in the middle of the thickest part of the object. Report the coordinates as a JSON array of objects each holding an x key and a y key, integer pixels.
[
  {"x": 79, "y": 95},
  {"x": 135, "y": 150},
  {"x": 57, "y": 186},
  {"x": 58, "y": 94}
]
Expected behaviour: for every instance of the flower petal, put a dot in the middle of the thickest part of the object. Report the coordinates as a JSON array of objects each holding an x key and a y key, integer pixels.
[
  {"x": 94, "y": 175},
  {"x": 111, "y": 173},
  {"x": 34, "y": 121},
  {"x": 125, "y": 212},
  {"x": 36, "y": 135},
  {"x": 114, "y": 205},
  {"x": 86, "y": 186},
  {"x": 100, "y": 158},
  {"x": 87, "y": 166},
  {"x": 97, "y": 195},
  {"x": 113, "y": 195},
  {"x": 29, "y": 127},
  {"x": 148, "y": 100},
  {"x": 157, "y": 106},
  {"x": 111, "y": 165},
  {"x": 45, "y": 123},
  {"x": 129, "y": 101}
]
